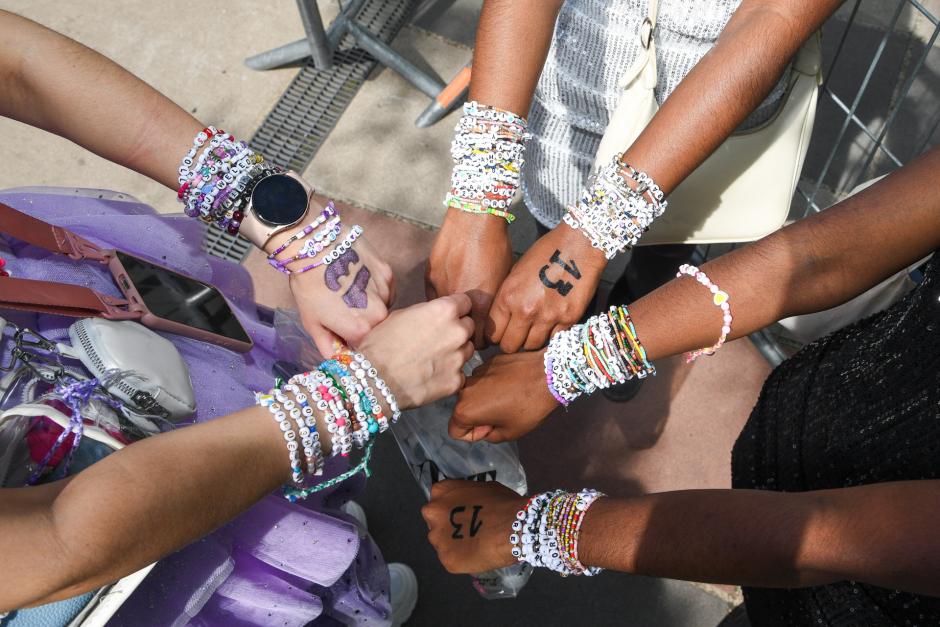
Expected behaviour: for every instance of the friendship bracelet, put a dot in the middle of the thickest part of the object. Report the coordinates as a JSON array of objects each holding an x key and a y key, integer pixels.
[
  {"x": 603, "y": 351},
  {"x": 719, "y": 299},
  {"x": 332, "y": 256},
  {"x": 547, "y": 529},
  {"x": 612, "y": 214},
  {"x": 325, "y": 215},
  {"x": 487, "y": 152},
  {"x": 268, "y": 401}
]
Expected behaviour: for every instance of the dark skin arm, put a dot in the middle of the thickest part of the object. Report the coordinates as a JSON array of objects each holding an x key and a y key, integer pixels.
[
  {"x": 706, "y": 107},
  {"x": 880, "y": 534},
  {"x": 809, "y": 266},
  {"x": 472, "y": 252}
]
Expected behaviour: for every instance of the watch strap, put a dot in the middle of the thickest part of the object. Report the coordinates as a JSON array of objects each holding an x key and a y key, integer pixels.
[{"x": 53, "y": 238}]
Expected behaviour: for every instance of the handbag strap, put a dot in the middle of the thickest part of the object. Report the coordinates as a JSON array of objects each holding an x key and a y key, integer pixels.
[
  {"x": 645, "y": 62},
  {"x": 53, "y": 238},
  {"x": 62, "y": 299}
]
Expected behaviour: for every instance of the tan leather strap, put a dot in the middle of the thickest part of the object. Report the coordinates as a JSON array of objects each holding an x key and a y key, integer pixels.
[
  {"x": 44, "y": 235},
  {"x": 61, "y": 299}
]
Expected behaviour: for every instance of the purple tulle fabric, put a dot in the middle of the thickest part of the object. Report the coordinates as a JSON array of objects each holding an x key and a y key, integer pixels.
[{"x": 277, "y": 563}]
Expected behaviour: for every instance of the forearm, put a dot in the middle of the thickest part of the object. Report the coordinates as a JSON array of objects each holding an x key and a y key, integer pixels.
[
  {"x": 881, "y": 534},
  {"x": 513, "y": 38},
  {"x": 59, "y": 85},
  {"x": 170, "y": 489},
  {"x": 809, "y": 266},
  {"x": 725, "y": 86}
]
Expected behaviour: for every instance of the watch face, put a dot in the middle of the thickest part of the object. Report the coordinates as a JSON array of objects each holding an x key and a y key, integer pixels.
[{"x": 279, "y": 200}]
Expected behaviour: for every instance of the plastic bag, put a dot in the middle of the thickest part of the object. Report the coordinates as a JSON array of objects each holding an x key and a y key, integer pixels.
[{"x": 432, "y": 455}]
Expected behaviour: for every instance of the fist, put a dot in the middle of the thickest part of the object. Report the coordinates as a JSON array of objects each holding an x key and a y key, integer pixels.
[
  {"x": 546, "y": 291},
  {"x": 470, "y": 523}
]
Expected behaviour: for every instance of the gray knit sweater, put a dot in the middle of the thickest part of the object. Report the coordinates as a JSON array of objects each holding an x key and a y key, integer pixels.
[{"x": 593, "y": 44}]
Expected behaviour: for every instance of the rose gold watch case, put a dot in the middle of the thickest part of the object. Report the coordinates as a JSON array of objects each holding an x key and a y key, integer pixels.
[{"x": 259, "y": 232}]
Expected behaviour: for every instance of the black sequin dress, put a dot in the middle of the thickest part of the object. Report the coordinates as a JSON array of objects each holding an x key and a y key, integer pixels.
[{"x": 859, "y": 406}]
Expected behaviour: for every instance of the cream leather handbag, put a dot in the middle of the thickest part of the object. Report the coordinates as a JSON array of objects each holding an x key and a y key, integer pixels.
[{"x": 743, "y": 190}]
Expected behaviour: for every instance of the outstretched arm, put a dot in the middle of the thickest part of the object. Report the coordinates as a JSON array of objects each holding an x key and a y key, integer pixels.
[
  {"x": 57, "y": 84},
  {"x": 71, "y": 536},
  {"x": 809, "y": 266},
  {"x": 472, "y": 252},
  {"x": 879, "y": 534},
  {"x": 714, "y": 99}
]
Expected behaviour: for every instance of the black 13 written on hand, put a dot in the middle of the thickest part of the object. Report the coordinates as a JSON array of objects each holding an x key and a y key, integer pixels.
[
  {"x": 475, "y": 521},
  {"x": 561, "y": 286}
]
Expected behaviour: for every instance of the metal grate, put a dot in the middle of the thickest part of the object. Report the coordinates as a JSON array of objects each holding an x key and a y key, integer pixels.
[
  {"x": 311, "y": 106},
  {"x": 878, "y": 104},
  {"x": 877, "y": 109}
]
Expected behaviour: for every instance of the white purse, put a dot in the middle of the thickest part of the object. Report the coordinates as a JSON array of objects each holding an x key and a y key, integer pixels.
[{"x": 743, "y": 191}]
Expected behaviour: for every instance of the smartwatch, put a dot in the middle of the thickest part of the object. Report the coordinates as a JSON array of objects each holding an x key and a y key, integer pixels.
[{"x": 278, "y": 201}]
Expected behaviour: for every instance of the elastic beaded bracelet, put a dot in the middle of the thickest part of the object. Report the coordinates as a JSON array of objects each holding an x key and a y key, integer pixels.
[
  {"x": 386, "y": 393},
  {"x": 294, "y": 410},
  {"x": 325, "y": 215},
  {"x": 720, "y": 299},
  {"x": 487, "y": 152},
  {"x": 547, "y": 529},
  {"x": 332, "y": 256},
  {"x": 268, "y": 401},
  {"x": 612, "y": 214}
]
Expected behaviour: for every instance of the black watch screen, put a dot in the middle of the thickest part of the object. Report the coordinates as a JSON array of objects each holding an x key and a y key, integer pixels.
[{"x": 279, "y": 200}]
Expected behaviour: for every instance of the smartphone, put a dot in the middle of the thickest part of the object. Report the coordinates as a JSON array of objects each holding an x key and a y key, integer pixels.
[{"x": 172, "y": 302}]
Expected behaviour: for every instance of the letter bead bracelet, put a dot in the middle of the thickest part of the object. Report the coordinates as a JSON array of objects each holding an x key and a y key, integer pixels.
[
  {"x": 341, "y": 391},
  {"x": 602, "y": 352},
  {"x": 487, "y": 152},
  {"x": 720, "y": 299},
  {"x": 546, "y": 531},
  {"x": 614, "y": 214}
]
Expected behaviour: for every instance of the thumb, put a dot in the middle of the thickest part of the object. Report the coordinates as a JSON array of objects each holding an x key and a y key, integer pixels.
[{"x": 325, "y": 340}]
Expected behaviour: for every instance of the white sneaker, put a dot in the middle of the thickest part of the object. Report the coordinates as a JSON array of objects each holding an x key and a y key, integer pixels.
[
  {"x": 355, "y": 510},
  {"x": 403, "y": 590}
]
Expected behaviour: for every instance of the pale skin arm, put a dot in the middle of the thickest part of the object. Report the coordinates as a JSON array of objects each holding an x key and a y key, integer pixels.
[
  {"x": 72, "y": 536},
  {"x": 57, "y": 84},
  {"x": 880, "y": 534},
  {"x": 714, "y": 99}
]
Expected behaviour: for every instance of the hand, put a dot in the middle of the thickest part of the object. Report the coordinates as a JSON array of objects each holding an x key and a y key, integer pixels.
[
  {"x": 547, "y": 290},
  {"x": 471, "y": 254},
  {"x": 420, "y": 351},
  {"x": 489, "y": 407},
  {"x": 345, "y": 300},
  {"x": 470, "y": 524}
]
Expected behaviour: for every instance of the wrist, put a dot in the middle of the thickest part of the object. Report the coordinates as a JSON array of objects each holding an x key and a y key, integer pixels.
[
  {"x": 610, "y": 534},
  {"x": 476, "y": 224},
  {"x": 578, "y": 245}
]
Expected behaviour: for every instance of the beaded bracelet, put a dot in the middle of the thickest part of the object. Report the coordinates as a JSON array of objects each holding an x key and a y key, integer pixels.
[
  {"x": 332, "y": 256},
  {"x": 603, "y": 351},
  {"x": 547, "y": 529},
  {"x": 365, "y": 365},
  {"x": 325, "y": 215},
  {"x": 719, "y": 299},
  {"x": 313, "y": 246},
  {"x": 487, "y": 152},
  {"x": 268, "y": 401},
  {"x": 613, "y": 214}
]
